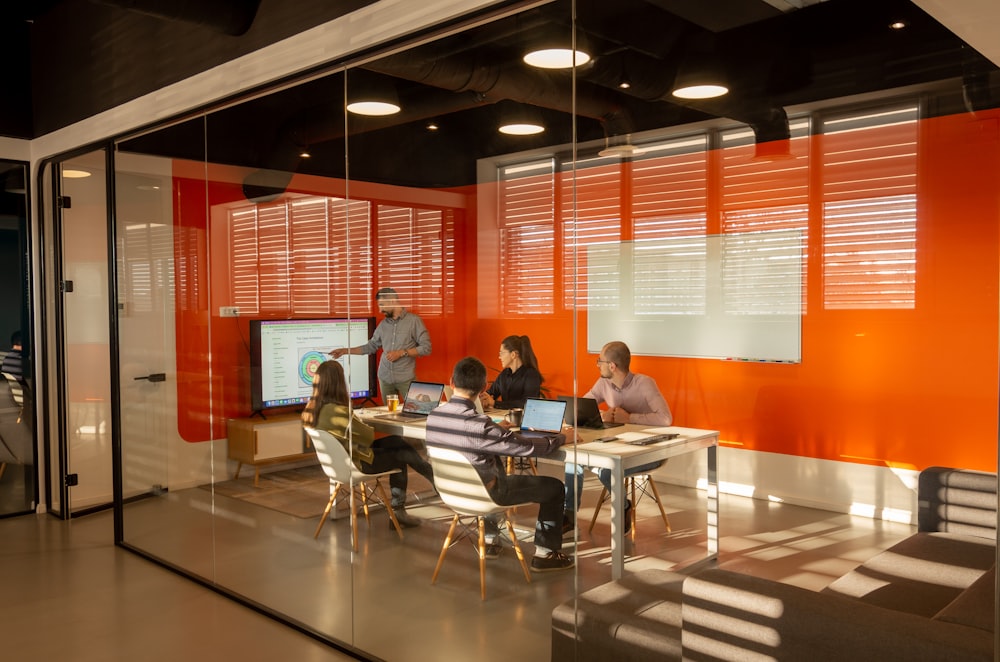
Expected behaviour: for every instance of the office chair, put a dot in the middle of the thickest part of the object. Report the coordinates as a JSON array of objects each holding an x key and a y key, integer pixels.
[
  {"x": 460, "y": 487},
  {"x": 345, "y": 478},
  {"x": 16, "y": 392},
  {"x": 646, "y": 483}
]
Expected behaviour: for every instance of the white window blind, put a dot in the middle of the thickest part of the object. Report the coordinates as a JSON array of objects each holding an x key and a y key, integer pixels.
[
  {"x": 870, "y": 209},
  {"x": 527, "y": 236},
  {"x": 767, "y": 197},
  {"x": 306, "y": 256},
  {"x": 411, "y": 256},
  {"x": 668, "y": 204},
  {"x": 591, "y": 221}
]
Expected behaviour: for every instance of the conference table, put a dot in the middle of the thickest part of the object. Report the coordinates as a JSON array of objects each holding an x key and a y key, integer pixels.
[{"x": 619, "y": 456}]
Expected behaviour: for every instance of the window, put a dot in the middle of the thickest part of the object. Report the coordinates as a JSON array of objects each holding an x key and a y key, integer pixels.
[
  {"x": 527, "y": 236},
  {"x": 870, "y": 209}
]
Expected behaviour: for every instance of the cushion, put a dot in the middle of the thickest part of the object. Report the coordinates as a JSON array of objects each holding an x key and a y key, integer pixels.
[
  {"x": 974, "y": 606},
  {"x": 919, "y": 575}
]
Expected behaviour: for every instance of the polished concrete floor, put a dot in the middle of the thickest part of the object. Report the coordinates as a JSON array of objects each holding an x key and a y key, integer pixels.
[{"x": 79, "y": 596}]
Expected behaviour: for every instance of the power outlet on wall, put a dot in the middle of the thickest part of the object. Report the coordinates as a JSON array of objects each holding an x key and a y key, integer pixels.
[{"x": 229, "y": 311}]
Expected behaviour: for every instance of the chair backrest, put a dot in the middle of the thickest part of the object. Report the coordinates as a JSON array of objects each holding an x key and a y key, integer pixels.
[
  {"x": 332, "y": 455},
  {"x": 16, "y": 390},
  {"x": 458, "y": 483}
]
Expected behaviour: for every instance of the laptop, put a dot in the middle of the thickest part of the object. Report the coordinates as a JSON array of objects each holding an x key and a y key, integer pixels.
[
  {"x": 421, "y": 399},
  {"x": 587, "y": 412},
  {"x": 542, "y": 417}
]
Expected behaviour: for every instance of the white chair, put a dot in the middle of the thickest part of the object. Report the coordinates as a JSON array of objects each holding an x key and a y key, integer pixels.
[
  {"x": 16, "y": 392},
  {"x": 347, "y": 479},
  {"x": 460, "y": 487},
  {"x": 646, "y": 483}
]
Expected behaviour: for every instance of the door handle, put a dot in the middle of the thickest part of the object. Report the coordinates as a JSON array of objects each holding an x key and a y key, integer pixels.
[{"x": 155, "y": 377}]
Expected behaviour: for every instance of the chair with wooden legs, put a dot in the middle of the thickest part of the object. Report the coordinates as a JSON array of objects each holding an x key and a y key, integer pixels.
[
  {"x": 346, "y": 479},
  {"x": 461, "y": 489},
  {"x": 646, "y": 483}
]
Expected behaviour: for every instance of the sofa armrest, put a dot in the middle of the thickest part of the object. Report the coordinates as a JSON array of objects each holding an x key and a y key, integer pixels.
[
  {"x": 957, "y": 501},
  {"x": 732, "y": 616}
]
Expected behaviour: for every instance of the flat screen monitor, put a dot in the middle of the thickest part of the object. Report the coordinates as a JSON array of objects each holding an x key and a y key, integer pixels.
[{"x": 284, "y": 356}]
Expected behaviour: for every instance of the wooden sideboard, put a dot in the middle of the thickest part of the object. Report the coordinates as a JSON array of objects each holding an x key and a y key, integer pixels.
[{"x": 261, "y": 441}]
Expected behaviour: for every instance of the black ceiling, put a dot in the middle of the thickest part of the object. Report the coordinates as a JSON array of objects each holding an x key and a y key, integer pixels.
[{"x": 775, "y": 61}]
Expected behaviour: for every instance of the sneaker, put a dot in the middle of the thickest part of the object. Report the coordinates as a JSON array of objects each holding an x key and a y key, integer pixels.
[
  {"x": 405, "y": 520},
  {"x": 493, "y": 549},
  {"x": 552, "y": 561}
]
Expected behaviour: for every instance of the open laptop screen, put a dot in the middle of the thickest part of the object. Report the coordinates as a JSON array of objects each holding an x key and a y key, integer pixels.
[
  {"x": 543, "y": 415},
  {"x": 422, "y": 397}
]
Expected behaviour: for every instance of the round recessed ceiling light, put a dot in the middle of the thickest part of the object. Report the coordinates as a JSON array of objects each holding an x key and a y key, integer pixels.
[
  {"x": 709, "y": 91},
  {"x": 556, "y": 58},
  {"x": 70, "y": 173},
  {"x": 521, "y": 129},
  {"x": 373, "y": 108}
]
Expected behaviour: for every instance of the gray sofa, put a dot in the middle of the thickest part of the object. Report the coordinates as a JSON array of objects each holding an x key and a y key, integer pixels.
[{"x": 929, "y": 597}]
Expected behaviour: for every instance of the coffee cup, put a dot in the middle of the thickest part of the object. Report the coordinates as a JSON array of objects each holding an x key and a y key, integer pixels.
[{"x": 514, "y": 417}]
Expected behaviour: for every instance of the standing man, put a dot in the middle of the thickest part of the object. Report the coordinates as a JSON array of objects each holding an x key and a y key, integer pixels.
[
  {"x": 631, "y": 398},
  {"x": 402, "y": 337},
  {"x": 456, "y": 424}
]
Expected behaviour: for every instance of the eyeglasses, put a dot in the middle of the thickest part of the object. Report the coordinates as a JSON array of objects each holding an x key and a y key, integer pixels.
[{"x": 600, "y": 361}]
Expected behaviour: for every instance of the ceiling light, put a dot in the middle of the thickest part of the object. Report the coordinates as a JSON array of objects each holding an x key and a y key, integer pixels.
[
  {"x": 518, "y": 119},
  {"x": 706, "y": 91},
  {"x": 304, "y": 154},
  {"x": 625, "y": 151},
  {"x": 556, "y": 58},
  {"x": 371, "y": 95},
  {"x": 433, "y": 126},
  {"x": 521, "y": 129},
  {"x": 70, "y": 173},
  {"x": 624, "y": 84},
  {"x": 373, "y": 108},
  {"x": 897, "y": 25}
]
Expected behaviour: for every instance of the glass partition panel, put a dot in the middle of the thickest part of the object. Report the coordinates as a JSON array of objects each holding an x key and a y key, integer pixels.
[
  {"x": 17, "y": 383},
  {"x": 170, "y": 426},
  {"x": 499, "y": 202}
]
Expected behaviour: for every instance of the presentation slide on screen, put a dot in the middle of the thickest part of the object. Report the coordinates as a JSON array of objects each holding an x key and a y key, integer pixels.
[{"x": 291, "y": 352}]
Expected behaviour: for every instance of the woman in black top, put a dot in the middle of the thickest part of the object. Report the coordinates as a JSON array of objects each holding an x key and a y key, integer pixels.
[{"x": 519, "y": 378}]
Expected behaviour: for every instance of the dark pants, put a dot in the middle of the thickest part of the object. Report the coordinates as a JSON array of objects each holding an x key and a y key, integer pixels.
[
  {"x": 547, "y": 492},
  {"x": 395, "y": 453}
]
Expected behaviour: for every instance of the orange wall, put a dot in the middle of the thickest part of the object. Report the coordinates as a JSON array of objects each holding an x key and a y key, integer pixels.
[{"x": 906, "y": 388}]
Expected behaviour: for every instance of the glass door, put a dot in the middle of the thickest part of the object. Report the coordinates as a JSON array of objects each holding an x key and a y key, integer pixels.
[{"x": 81, "y": 453}]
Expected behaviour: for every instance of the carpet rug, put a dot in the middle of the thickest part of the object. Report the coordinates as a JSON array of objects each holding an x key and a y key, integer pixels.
[{"x": 302, "y": 492}]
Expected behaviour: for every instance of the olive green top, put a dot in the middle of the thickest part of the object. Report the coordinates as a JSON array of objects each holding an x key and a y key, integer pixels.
[{"x": 337, "y": 419}]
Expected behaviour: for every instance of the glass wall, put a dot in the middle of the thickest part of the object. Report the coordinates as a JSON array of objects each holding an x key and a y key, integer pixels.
[
  {"x": 612, "y": 212},
  {"x": 17, "y": 401}
]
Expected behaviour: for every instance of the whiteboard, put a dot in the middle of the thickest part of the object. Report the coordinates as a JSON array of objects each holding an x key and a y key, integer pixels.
[{"x": 732, "y": 296}]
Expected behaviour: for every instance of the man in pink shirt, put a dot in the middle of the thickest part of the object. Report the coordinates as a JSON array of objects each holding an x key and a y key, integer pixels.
[{"x": 630, "y": 398}]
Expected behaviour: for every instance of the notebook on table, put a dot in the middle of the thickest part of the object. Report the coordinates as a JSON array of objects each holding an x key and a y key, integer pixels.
[
  {"x": 542, "y": 417},
  {"x": 420, "y": 400},
  {"x": 587, "y": 412}
]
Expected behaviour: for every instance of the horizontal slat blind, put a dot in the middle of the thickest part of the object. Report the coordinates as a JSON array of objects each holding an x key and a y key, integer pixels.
[
  {"x": 410, "y": 256},
  {"x": 527, "y": 235},
  {"x": 870, "y": 210},
  {"x": 306, "y": 256},
  {"x": 591, "y": 227},
  {"x": 769, "y": 196},
  {"x": 669, "y": 201}
]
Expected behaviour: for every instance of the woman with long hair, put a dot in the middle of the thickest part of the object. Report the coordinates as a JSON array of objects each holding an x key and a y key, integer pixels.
[
  {"x": 329, "y": 408},
  {"x": 519, "y": 378}
]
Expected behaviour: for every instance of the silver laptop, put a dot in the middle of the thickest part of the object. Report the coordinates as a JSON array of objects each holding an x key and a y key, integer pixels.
[
  {"x": 542, "y": 417},
  {"x": 421, "y": 399}
]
